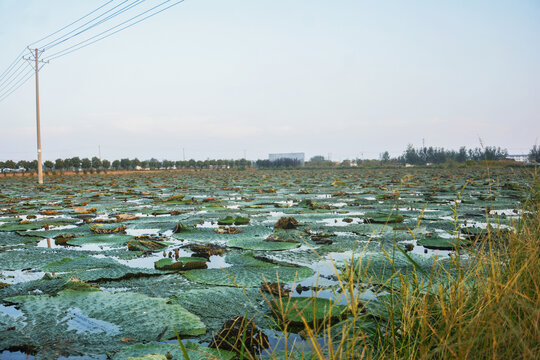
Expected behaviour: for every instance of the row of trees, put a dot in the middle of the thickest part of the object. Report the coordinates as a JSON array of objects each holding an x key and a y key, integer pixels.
[
  {"x": 420, "y": 156},
  {"x": 279, "y": 163},
  {"x": 85, "y": 164},
  {"x": 431, "y": 155}
]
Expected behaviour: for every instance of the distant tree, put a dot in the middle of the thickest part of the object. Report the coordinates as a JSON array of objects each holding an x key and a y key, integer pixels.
[
  {"x": 134, "y": 163},
  {"x": 59, "y": 164},
  {"x": 411, "y": 156},
  {"x": 346, "y": 163},
  {"x": 25, "y": 165},
  {"x": 33, "y": 165},
  {"x": 154, "y": 164},
  {"x": 116, "y": 164},
  {"x": 125, "y": 164},
  {"x": 10, "y": 164},
  {"x": 96, "y": 162},
  {"x": 534, "y": 154},
  {"x": 48, "y": 164},
  {"x": 86, "y": 164},
  {"x": 75, "y": 163},
  {"x": 385, "y": 157},
  {"x": 106, "y": 164},
  {"x": 167, "y": 164},
  {"x": 317, "y": 158},
  {"x": 462, "y": 155}
]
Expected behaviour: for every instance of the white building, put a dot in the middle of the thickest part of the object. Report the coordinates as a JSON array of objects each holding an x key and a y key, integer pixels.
[
  {"x": 519, "y": 158},
  {"x": 294, "y": 156}
]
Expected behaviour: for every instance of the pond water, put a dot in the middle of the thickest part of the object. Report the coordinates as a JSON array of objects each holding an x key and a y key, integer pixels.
[{"x": 153, "y": 279}]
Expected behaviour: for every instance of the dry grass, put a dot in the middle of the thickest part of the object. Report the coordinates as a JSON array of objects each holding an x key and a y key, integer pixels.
[{"x": 488, "y": 307}]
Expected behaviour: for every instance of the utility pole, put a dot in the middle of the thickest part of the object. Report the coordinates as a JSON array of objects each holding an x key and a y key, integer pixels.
[
  {"x": 38, "y": 126},
  {"x": 99, "y": 152}
]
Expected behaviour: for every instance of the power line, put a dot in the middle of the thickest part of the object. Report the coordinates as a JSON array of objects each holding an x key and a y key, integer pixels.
[
  {"x": 75, "y": 48},
  {"x": 59, "y": 40},
  {"x": 74, "y": 22},
  {"x": 27, "y": 77},
  {"x": 16, "y": 73},
  {"x": 17, "y": 59}
]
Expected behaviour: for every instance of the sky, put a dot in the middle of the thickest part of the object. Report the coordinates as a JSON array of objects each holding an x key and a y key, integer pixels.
[{"x": 226, "y": 79}]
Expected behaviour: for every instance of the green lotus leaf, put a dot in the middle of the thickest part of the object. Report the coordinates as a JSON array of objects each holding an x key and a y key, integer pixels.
[
  {"x": 96, "y": 321},
  {"x": 250, "y": 272},
  {"x": 310, "y": 309},
  {"x": 182, "y": 263},
  {"x": 261, "y": 244},
  {"x": 439, "y": 243},
  {"x": 194, "y": 351},
  {"x": 93, "y": 269},
  {"x": 104, "y": 239},
  {"x": 228, "y": 220},
  {"x": 216, "y": 304},
  {"x": 381, "y": 218}
]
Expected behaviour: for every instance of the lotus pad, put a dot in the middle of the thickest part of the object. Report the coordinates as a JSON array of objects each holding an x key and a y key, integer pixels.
[
  {"x": 442, "y": 243},
  {"x": 217, "y": 303},
  {"x": 309, "y": 309},
  {"x": 261, "y": 244},
  {"x": 248, "y": 271},
  {"x": 97, "y": 321},
  {"x": 381, "y": 218},
  {"x": 195, "y": 351},
  {"x": 182, "y": 263},
  {"x": 93, "y": 269},
  {"x": 104, "y": 239}
]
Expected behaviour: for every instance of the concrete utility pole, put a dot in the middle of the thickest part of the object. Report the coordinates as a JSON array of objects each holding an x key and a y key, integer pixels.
[{"x": 36, "y": 68}]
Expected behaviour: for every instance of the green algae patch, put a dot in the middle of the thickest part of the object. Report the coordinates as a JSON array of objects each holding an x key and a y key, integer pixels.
[
  {"x": 96, "y": 321},
  {"x": 249, "y": 271},
  {"x": 194, "y": 351},
  {"x": 309, "y": 309}
]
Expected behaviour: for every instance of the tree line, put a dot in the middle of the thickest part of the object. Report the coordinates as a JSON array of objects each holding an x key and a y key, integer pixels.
[
  {"x": 431, "y": 155},
  {"x": 413, "y": 156},
  {"x": 95, "y": 163}
]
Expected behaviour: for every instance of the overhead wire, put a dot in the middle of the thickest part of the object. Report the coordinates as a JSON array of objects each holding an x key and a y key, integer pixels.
[
  {"x": 74, "y": 22},
  {"x": 60, "y": 40},
  {"x": 9, "y": 73},
  {"x": 19, "y": 83},
  {"x": 13, "y": 76},
  {"x": 76, "y": 47},
  {"x": 17, "y": 59}
]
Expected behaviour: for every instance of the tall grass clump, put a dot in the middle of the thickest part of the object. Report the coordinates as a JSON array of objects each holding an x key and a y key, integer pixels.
[{"x": 480, "y": 303}]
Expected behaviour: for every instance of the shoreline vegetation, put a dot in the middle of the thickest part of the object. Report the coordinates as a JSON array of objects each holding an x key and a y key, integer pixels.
[{"x": 425, "y": 156}]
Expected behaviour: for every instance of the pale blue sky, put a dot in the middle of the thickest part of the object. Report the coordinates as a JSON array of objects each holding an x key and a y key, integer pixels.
[{"x": 350, "y": 78}]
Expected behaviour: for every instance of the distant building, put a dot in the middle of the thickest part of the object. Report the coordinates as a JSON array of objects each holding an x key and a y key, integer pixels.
[
  {"x": 293, "y": 156},
  {"x": 518, "y": 158}
]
